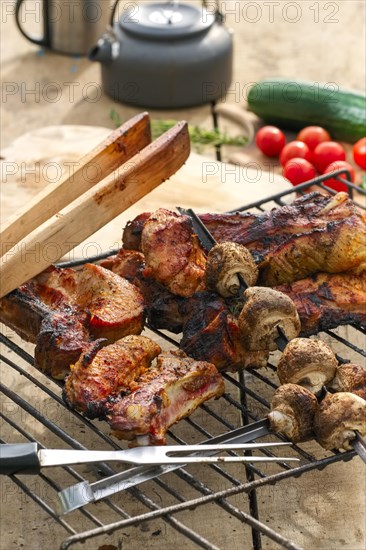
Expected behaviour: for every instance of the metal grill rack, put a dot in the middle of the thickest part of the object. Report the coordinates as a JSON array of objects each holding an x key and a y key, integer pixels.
[{"x": 36, "y": 410}]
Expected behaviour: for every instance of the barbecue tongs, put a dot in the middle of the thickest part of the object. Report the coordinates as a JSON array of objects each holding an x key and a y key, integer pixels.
[{"x": 29, "y": 458}]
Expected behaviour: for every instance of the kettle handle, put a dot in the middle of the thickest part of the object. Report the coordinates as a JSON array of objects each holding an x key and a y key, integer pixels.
[
  {"x": 218, "y": 14},
  {"x": 44, "y": 40}
]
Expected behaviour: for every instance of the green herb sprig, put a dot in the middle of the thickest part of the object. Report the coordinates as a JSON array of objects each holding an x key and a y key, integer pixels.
[{"x": 199, "y": 137}]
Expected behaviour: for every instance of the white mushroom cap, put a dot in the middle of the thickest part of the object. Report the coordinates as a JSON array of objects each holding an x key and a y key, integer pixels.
[
  {"x": 350, "y": 377},
  {"x": 310, "y": 363},
  {"x": 338, "y": 417},
  {"x": 225, "y": 262},
  {"x": 264, "y": 312},
  {"x": 292, "y": 412}
]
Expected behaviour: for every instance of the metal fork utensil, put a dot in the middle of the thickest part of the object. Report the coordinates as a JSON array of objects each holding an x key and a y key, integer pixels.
[{"x": 28, "y": 458}]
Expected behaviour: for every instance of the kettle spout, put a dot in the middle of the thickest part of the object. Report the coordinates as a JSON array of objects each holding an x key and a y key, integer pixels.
[{"x": 102, "y": 52}]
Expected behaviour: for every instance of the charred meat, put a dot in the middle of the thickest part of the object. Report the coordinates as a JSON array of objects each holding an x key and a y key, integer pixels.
[
  {"x": 165, "y": 393},
  {"x": 63, "y": 336},
  {"x": 327, "y": 301},
  {"x": 173, "y": 255},
  {"x": 316, "y": 233},
  {"x": 62, "y": 310},
  {"x": 101, "y": 374},
  {"x": 211, "y": 333}
]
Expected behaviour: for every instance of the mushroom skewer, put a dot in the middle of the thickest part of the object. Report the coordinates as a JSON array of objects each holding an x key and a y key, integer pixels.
[
  {"x": 236, "y": 254},
  {"x": 265, "y": 310},
  {"x": 312, "y": 364},
  {"x": 283, "y": 325}
]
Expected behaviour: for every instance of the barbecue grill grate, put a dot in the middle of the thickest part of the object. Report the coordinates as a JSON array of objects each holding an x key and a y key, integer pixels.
[{"x": 36, "y": 410}]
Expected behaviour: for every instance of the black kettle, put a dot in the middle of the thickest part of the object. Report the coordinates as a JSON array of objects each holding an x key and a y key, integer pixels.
[{"x": 166, "y": 55}]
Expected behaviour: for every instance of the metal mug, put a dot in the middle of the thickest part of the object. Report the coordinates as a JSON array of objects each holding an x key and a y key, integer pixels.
[{"x": 69, "y": 26}]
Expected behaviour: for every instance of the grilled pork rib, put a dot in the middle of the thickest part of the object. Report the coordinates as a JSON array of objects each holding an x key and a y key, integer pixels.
[
  {"x": 62, "y": 310},
  {"x": 316, "y": 233},
  {"x": 102, "y": 374},
  {"x": 166, "y": 393}
]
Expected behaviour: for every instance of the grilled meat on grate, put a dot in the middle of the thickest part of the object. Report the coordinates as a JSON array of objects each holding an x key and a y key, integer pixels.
[
  {"x": 100, "y": 375},
  {"x": 166, "y": 393},
  {"x": 323, "y": 301},
  {"x": 61, "y": 310},
  {"x": 326, "y": 301},
  {"x": 316, "y": 233},
  {"x": 173, "y": 255}
]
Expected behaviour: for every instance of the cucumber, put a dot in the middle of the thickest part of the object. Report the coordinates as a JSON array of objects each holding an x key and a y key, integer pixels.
[{"x": 294, "y": 104}]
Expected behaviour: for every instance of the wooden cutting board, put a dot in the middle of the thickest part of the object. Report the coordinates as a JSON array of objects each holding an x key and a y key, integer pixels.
[{"x": 40, "y": 157}]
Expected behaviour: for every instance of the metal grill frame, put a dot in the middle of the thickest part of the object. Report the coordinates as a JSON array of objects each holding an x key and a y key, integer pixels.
[{"x": 255, "y": 477}]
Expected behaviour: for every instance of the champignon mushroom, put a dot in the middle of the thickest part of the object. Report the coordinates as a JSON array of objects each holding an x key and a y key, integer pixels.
[
  {"x": 309, "y": 363},
  {"x": 350, "y": 378},
  {"x": 337, "y": 418},
  {"x": 225, "y": 262},
  {"x": 292, "y": 412},
  {"x": 264, "y": 312}
]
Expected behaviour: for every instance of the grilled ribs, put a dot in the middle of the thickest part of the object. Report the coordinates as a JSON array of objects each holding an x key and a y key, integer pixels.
[
  {"x": 316, "y": 233},
  {"x": 62, "y": 310},
  {"x": 102, "y": 374},
  {"x": 166, "y": 393}
]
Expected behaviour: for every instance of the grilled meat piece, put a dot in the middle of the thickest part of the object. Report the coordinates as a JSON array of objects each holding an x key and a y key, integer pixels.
[
  {"x": 323, "y": 301},
  {"x": 162, "y": 306},
  {"x": 116, "y": 307},
  {"x": 61, "y": 310},
  {"x": 315, "y": 233},
  {"x": 292, "y": 412},
  {"x": 167, "y": 392},
  {"x": 128, "y": 264},
  {"x": 63, "y": 336},
  {"x": 326, "y": 301},
  {"x": 100, "y": 375},
  {"x": 337, "y": 418},
  {"x": 337, "y": 248},
  {"x": 173, "y": 255},
  {"x": 211, "y": 333},
  {"x": 350, "y": 378},
  {"x": 132, "y": 233}
]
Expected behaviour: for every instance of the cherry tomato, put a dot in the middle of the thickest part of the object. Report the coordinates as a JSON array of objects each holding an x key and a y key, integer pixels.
[
  {"x": 295, "y": 149},
  {"x": 313, "y": 135},
  {"x": 335, "y": 184},
  {"x": 326, "y": 153},
  {"x": 298, "y": 170},
  {"x": 270, "y": 140},
  {"x": 359, "y": 153}
]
